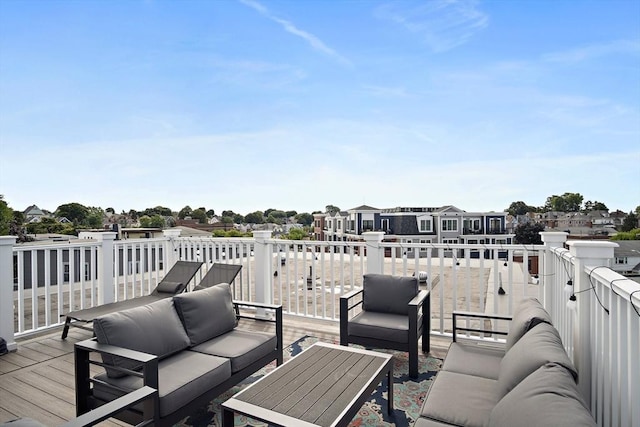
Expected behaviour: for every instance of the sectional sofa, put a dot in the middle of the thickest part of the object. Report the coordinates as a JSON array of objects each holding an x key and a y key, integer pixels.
[{"x": 190, "y": 348}]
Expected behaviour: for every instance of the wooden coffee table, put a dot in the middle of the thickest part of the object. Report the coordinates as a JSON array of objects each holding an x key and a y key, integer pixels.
[{"x": 324, "y": 385}]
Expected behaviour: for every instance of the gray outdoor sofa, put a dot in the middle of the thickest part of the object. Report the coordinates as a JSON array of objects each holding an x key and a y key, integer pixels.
[
  {"x": 189, "y": 347},
  {"x": 529, "y": 381}
]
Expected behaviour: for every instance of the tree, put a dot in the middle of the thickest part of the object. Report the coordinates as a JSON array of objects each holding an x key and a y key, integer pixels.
[
  {"x": 155, "y": 221},
  {"x": 185, "y": 212},
  {"x": 594, "y": 206},
  {"x": 6, "y": 216},
  {"x": 296, "y": 234},
  {"x": 304, "y": 219},
  {"x": 331, "y": 209},
  {"x": 226, "y": 220},
  {"x": 74, "y": 212},
  {"x": 200, "y": 214},
  {"x": 633, "y": 234},
  {"x": 568, "y": 202},
  {"x": 211, "y": 213},
  {"x": 630, "y": 222},
  {"x": 528, "y": 233},
  {"x": 520, "y": 208},
  {"x": 256, "y": 217},
  {"x": 291, "y": 213},
  {"x": 110, "y": 210}
]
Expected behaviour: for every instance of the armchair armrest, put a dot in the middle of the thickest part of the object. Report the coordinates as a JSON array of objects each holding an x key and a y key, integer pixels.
[
  {"x": 457, "y": 314},
  {"x": 351, "y": 294},
  {"x": 419, "y": 299},
  {"x": 107, "y": 410}
]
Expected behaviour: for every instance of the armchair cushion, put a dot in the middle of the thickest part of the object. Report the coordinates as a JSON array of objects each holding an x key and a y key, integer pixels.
[
  {"x": 153, "y": 328},
  {"x": 388, "y": 294},
  {"x": 527, "y": 315},
  {"x": 541, "y": 345},
  {"x": 383, "y": 326},
  {"x": 206, "y": 313}
]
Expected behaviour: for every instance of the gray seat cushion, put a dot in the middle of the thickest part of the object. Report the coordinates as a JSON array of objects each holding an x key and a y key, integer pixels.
[
  {"x": 547, "y": 397},
  {"x": 181, "y": 378},
  {"x": 539, "y": 346},
  {"x": 383, "y": 326},
  {"x": 473, "y": 359},
  {"x": 153, "y": 328},
  {"x": 527, "y": 314},
  {"x": 241, "y": 347},
  {"x": 388, "y": 294},
  {"x": 206, "y": 313},
  {"x": 461, "y": 400}
]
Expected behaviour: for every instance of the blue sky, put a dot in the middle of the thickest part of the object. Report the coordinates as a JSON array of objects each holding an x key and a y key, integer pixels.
[{"x": 248, "y": 105}]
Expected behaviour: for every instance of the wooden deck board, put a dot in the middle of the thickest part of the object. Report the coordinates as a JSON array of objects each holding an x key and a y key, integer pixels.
[{"x": 37, "y": 380}]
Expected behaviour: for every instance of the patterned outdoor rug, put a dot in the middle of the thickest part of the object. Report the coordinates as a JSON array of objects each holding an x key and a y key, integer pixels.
[{"x": 408, "y": 394}]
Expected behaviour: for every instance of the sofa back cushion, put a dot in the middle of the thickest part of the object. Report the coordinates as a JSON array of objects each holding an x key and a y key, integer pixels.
[
  {"x": 541, "y": 345},
  {"x": 206, "y": 313},
  {"x": 527, "y": 314},
  {"x": 547, "y": 397},
  {"x": 153, "y": 328},
  {"x": 388, "y": 294}
]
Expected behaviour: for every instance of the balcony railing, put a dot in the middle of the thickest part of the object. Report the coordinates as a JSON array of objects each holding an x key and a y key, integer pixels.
[{"x": 308, "y": 278}]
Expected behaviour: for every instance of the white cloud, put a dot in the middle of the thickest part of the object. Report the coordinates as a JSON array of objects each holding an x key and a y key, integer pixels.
[
  {"x": 441, "y": 24},
  {"x": 622, "y": 47}
]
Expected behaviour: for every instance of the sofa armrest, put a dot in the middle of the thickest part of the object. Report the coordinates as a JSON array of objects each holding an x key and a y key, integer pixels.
[
  {"x": 83, "y": 379},
  {"x": 110, "y": 409},
  {"x": 457, "y": 314}
]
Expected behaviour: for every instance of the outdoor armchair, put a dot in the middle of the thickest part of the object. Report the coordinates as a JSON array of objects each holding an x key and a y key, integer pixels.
[{"x": 388, "y": 312}]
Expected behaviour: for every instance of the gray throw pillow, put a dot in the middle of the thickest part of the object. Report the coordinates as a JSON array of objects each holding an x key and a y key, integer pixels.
[
  {"x": 388, "y": 294},
  {"x": 206, "y": 313},
  {"x": 526, "y": 315},
  {"x": 541, "y": 345},
  {"x": 547, "y": 397},
  {"x": 167, "y": 287},
  {"x": 153, "y": 328}
]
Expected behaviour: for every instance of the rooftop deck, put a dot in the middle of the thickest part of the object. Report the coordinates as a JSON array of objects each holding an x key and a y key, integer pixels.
[{"x": 37, "y": 379}]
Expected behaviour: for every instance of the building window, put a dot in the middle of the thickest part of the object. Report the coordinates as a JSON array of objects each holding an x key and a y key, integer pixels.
[
  {"x": 384, "y": 224},
  {"x": 472, "y": 224},
  {"x": 450, "y": 241},
  {"x": 425, "y": 225},
  {"x": 449, "y": 225},
  {"x": 339, "y": 225},
  {"x": 367, "y": 225},
  {"x": 424, "y": 242},
  {"x": 621, "y": 260}
]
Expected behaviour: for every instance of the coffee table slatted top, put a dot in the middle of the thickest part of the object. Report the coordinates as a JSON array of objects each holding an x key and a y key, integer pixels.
[{"x": 318, "y": 386}]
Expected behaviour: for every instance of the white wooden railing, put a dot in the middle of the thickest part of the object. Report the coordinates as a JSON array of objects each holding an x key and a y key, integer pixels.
[{"x": 602, "y": 336}]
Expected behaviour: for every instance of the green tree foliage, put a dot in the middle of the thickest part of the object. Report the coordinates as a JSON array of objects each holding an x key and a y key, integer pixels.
[
  {"x": 230, "y": 233},
  {"x": 159, "y": 210},
  {"x": 633, "y": 234},
  {"x": 200, "y": 214},
  {"x": 520, "y": 208},
  {"x": 6, "y": 217},
  {"x": 630, "y": 222},
  {"x": 154, "y": 221},
  {"x": 185, "y": 212},
  {"x": 528, "y": 233},
  {"x": 594, "y": 206},
  {"x": 45, "y": 225},
  {"x": 568, "y": 202},
  {"x": 238, "y": 219},
  {"x": 256, "y": 217},
  {"x": 296, "y": 234},
  {"x": 331, "y": 209},
  {"x": 291, "y": 213},
  {"x": 226, "y": 220},
  {"x": 305, "y": 219},
  {"x": 211, "y": 213},
  {"x": 74, "y": 212}
]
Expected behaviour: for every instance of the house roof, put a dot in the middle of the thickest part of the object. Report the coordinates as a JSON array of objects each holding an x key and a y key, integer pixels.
[{"x": 364, "y": 208}]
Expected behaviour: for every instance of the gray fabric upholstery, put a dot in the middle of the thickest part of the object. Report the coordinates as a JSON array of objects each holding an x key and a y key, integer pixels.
[
  {"x": 527, "y": 314},
  {"x": 154, "y": 328},
  {"x": 461, "y": 400},
  {"x": 206, "y": 313},
  {"x": 541, "y": 345},
  {"x": 388, "y": 294},
  {"x": 167, "y": 287},
  {"x": 469, "y": 359},
  {"x": 384, "y": 326},
  {"x": 547, "y": 397},
  {"x": 181, "y": 378},
  {"x": 241, "y": 347},
  {"x": 424, "y": 422}
]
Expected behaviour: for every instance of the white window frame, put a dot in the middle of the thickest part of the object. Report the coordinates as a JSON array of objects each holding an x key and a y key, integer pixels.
[
  {"x": 423, "y": 222},
  {"x": 449, "y": 222}
]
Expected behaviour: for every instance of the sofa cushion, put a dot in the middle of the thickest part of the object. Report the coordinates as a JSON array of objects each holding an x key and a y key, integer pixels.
[
  {"x": 473, "y": 359},
  {"x": 547, "y": 397},
  {"x": 241, "y": 347},
  {"x": 527, "y": 314},
  {"x": 181, "y": 378},
  {"x": 541, "y": 345},
  {"x": 206, "y": 313},
  {"x": 388, "y": 294},
  {"x": 461, "y": 400},
  {"x": 383, "y": 326},
  {"x": 167, "y": 287},
  {"x": 153, "y": 328}
]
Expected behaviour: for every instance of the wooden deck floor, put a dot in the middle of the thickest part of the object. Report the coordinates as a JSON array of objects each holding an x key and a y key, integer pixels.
[{"x": 36, "y": 381}]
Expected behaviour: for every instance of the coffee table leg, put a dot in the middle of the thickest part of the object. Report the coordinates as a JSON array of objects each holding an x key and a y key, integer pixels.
[
  {"x": 390, "y": 389},
  {"x": 227, "y": 418}
]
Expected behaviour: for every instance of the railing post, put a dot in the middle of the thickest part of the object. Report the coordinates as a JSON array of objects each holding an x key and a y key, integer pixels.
[
  {"x": 106, "y": 283},
  {"x": 169, "y": 248},
  {"x": 551, "y": 239},
  {"x": 263, "y": 253},
  {"x": 6, "y": 291},
  {"x": 375, "y": 252},
  {"x": 588, "y": 254}
]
